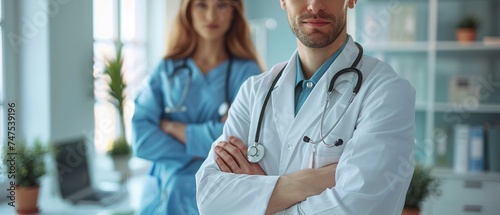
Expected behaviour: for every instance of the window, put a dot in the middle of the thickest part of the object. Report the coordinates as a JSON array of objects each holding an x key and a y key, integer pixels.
[{"x": 124, "y": 21}]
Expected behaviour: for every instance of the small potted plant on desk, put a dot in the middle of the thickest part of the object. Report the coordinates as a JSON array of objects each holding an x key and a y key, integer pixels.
[
  {"x": 422, "y": 185},
  {"x": 467, "y": 29},
  {"x": 120, "y": 152},
  {"x": 28, "y": 167}
]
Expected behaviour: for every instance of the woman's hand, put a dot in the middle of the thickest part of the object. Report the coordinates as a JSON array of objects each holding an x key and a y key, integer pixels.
[
  {"x": 232, "y": 158},
  {"x": 224, "y": 118},
  {"x": 175, "y": 129}
]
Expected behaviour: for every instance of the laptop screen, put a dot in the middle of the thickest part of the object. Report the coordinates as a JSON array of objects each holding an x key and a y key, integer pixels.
[{"x": 72, "y": 166}]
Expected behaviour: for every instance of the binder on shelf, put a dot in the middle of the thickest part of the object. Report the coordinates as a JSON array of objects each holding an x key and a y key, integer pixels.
[
  {"x": 493, "y": 149},
  {"x": 476, "y": 149},
  {"x": 441, "y": 147},
  {"x": 461, "y": 143}
]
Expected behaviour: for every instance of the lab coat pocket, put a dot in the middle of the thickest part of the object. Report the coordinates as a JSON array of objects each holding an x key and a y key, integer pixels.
[{"x": 328, "y": 155}]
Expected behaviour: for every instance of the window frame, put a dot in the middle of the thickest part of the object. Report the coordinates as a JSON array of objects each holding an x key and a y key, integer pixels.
[{"x": 102, "y": 136}]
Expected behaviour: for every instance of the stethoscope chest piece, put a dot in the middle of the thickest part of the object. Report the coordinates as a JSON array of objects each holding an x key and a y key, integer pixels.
[
  {"x": 223, "y": 108},
  {"x": 255, "y": 153}
]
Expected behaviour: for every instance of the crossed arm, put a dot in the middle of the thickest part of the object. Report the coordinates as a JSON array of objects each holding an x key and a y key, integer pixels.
[
  {"x": 178, "y": 129},
  {"x": 289, "y": 190}
]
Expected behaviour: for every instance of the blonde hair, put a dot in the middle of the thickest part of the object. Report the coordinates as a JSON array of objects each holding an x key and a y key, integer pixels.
[{"x": 183, "y": 39}]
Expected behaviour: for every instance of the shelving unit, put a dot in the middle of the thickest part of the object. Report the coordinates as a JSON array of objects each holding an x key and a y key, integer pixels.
[
  {"x": 427, "y": 54},
  {"x": 417, "y": 38}
]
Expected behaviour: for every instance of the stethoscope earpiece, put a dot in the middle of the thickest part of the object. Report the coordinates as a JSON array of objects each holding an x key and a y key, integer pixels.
[{"x": 338, "y": 142}]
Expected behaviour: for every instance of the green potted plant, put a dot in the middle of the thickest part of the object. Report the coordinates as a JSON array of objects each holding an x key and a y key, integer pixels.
[
  {"x": 120, "y": 148},
  {"x": 467, "y": 29},
  {"x": 120, "y": 152},
  {"x": 26, "y": 168},
  {"x": 422, "y": 186}
]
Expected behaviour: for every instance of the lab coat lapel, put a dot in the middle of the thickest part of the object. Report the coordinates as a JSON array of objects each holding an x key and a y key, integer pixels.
[
  {"x": 344, "y": 84},
  {"x": 283, "y": 98},
  {"x": 309, "y": 114}
]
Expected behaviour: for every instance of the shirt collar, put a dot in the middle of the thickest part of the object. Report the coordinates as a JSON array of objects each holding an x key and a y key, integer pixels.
[{"x": 319, "y": 73}]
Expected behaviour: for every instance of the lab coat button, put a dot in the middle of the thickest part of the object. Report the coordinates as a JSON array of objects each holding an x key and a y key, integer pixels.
[
  {"x": 289, "y": 146},
  {"x": 309, "y": 84}
]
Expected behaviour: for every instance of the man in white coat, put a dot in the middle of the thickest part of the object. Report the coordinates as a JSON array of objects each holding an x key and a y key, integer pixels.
[{"x": 353, "y": 155}]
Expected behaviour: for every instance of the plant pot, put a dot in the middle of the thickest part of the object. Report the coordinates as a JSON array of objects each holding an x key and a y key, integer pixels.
[
  {"x": 27, "y": 200},
  {"x": 410, "y": 211},
  {"x": 121, "y": 165},
  {"x": 466, "y": 35}
]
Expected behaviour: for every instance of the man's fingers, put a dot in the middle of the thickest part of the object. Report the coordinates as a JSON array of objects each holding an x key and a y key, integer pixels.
[
  {"x": 235, "y": 152},
  {"x": 222, "y": 165},
  {"x": 227, "y": 157},
  {"x": 239, "y": 144}
]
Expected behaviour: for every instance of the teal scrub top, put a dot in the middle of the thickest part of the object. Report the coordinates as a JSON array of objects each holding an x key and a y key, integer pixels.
[{"x": 172, "y": 182}]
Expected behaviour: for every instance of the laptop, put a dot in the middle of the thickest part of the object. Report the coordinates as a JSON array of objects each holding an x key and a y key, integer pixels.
[{"x": 74, "y": 177}]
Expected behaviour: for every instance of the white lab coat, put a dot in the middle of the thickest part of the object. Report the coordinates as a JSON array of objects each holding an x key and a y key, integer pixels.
[{"x": 375, "y": 163}]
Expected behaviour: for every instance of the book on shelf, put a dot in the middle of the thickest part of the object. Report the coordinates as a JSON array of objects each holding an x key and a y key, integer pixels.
[
  {"x": 461, "y": 145},
  {"x": 383, "y": 23},
  {"x": 404, "y": 23},
  {"x": 442, "y": 148},
  {"x": 376, "y": 20},
  {"x": 493, "y": 148},
  {"x": 476, "y": 149}
]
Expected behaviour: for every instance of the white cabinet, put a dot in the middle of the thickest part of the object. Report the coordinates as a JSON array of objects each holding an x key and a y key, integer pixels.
[{"x": 465, "y": 194}]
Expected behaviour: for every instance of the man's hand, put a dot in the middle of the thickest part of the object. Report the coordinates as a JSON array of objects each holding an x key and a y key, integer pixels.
[
  {"x": 296, "y": 187},
  {"x": 314, "y": 181},
  {"x": 232, "y": 158}
]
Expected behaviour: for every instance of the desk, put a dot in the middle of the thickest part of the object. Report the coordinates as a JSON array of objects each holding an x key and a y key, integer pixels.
[{"x": 52, "y": 204}]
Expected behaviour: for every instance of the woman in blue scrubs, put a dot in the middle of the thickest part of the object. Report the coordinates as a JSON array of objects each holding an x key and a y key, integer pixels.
[{"x": 181, "y": 111}]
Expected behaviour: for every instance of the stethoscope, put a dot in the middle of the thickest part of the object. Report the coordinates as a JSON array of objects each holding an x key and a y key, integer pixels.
[
  {"x": 180, "y": 107},
  {"x": 256, "y": 152}
]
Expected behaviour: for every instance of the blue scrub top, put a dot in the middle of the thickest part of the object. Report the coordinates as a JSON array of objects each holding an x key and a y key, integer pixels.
[{"x": 172, "y": 187}]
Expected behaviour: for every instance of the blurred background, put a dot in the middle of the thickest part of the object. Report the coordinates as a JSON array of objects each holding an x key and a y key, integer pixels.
[{"x": 53, "y": 86}]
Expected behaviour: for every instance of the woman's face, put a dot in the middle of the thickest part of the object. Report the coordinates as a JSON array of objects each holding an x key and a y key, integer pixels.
[{"x": 211, "y": 18}]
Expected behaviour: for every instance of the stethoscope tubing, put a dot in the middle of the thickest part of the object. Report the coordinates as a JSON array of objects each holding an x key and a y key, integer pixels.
[
  {"x": 330, "y": 90},
  {"x": 179, "y": 107}
]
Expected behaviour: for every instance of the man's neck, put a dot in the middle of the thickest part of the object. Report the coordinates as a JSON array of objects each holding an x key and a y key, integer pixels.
[{"x": 311, "y": 59}]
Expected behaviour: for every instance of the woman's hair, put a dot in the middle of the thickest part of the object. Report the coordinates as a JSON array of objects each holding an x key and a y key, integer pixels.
[{"x": 183, "y": 38}]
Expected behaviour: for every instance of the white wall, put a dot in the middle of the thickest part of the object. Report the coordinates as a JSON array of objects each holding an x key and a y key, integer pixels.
[
  {"x": 159, "y": 21},
  {"x": 49, "y": 69},
  {"x": 71, "y": 68},
  {"x": 34, "y": 98}
]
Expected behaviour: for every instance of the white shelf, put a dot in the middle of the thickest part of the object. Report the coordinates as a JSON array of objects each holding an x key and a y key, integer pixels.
[
  {"x": 425, "y": 46},
  {"x": 450, "y": 174},
  {"x": 482, "y": 108},
  {"x": 474, "y": 46},
  {"x": 421, "y": 106},
  {"x": 398, "y": 46}
]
